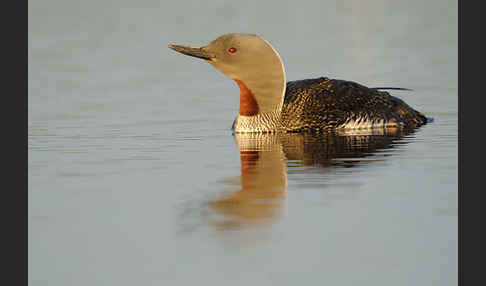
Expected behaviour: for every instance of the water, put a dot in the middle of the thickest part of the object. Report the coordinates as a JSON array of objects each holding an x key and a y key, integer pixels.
[{"x": 135, "y": 178}]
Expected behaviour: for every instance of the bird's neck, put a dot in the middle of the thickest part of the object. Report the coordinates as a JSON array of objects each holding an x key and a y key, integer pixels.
[
  {"x": 260, "y": 107},
  {"x": 261, "y": 100}
]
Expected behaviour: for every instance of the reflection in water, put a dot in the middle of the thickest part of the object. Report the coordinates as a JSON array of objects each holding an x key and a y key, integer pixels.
[
  {"x": 323, "y": 150},
  {"x": 261, "y": 194},
  {"x": 263, "y": 183}
]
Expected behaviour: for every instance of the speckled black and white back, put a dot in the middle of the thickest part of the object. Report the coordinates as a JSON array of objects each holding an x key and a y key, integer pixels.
[{"x": 323, "y": 104}]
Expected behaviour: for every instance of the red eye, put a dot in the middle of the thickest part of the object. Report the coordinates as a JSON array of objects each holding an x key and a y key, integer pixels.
[{"x": 232, "y": 50}]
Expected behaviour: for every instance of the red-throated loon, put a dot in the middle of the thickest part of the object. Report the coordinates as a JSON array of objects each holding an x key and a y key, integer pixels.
[{"x": 270, "y": 104}]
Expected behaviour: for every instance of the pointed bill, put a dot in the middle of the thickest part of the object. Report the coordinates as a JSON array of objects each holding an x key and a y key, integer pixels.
[{"x": 197, "y": 52}]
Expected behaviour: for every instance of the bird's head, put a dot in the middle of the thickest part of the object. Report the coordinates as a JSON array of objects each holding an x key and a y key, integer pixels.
[{"x": 249, "y": 60}]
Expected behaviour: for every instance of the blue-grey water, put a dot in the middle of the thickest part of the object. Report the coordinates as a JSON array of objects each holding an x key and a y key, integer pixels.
[{"x": 134, "y": 177}]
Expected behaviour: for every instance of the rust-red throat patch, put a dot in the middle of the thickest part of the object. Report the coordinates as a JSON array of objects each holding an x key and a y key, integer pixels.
[{"x": 248, "y": 103}]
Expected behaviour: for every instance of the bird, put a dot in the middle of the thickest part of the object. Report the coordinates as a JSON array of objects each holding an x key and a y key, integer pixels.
[{"x": 269, "y": 104}]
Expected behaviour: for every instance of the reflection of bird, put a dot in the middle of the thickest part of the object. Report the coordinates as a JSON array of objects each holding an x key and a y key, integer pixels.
[
  {"x": 263, "y": 181},
  {"x": 269, "y": 104}
]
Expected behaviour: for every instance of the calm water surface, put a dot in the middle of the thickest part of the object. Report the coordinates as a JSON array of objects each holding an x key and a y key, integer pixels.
[{"x": 136, "y": 179}]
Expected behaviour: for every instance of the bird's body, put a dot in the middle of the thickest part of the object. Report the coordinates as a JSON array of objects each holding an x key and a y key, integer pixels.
[
  {"x": 270, "y": 104},
  {"x": 325, "y": 104}
]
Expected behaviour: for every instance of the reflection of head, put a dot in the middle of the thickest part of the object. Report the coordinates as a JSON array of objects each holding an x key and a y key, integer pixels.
[{"x": 263, "y": 184}]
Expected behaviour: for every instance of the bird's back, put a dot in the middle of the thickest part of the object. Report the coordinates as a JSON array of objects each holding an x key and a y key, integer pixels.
[{"x": 324, "y": 104}]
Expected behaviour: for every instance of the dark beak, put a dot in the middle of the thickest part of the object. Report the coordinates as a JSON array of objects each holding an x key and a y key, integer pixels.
[{"x": 197, "y": 52}]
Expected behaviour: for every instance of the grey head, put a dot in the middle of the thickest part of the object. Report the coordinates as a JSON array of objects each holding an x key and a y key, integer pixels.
[{"x": 249, "y": 59}]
